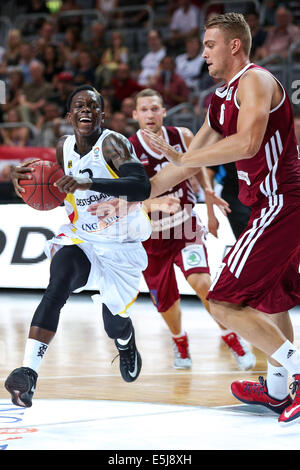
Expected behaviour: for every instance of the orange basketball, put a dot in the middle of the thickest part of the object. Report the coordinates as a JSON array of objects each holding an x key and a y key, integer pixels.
[{"x": 40, "y": 192}]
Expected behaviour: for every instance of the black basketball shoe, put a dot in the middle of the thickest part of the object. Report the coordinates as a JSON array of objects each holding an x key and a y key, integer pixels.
[
  {"x": 130, "y": 359},
  {"x": 21, "y": 385}
]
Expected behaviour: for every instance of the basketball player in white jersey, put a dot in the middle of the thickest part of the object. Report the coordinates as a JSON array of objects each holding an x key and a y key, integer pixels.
[
  {"x": 99, "y": 164},
  {"x": 250, "y": 122}
]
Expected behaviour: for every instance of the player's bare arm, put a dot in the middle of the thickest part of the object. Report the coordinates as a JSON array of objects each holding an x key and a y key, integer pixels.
[
  {"x": 171, "y": 175},
  {"x": 256, "y": 94},
  {"x": 131, "y": 180},
  {"x": 117, "y": 150}
]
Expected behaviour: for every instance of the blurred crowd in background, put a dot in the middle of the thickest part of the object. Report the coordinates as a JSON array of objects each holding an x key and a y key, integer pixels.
[{"x": 120, "y": 47}]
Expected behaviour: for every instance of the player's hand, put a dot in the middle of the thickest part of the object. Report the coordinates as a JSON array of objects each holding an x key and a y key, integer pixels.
[
  {"x": 23, "y": 172},
  {"x": 213, "y": 225},
  {"x": 111, "y": 208},
  {"x": 167, "y": 204},
  {"x": 161, "y": 146},
  {"x": 69, "y": 184},
  {"x": 211, "y": 198}
]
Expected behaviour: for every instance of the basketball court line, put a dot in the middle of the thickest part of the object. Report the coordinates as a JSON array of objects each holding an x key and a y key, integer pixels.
[{"x": 111, "y": 425}]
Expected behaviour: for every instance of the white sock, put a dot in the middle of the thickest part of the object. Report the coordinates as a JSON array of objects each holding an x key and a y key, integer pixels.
[
  {"x": 182, "y": 333},
  {"x": 226, "y": 332},
  {"x": 289, "y": 357},
  {"x": 277, "y": 381},
  {"x": 34, "y": 353},
  {"x": 123, "y": 342}
]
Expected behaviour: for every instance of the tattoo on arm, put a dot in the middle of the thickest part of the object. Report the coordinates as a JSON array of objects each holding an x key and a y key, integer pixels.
[{"x": 118, "y": 150}]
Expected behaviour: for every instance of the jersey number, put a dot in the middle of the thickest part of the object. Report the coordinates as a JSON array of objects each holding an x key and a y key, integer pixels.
[
  {"x": 222, "y": 112},
  {"x": 88, "y": 171}
]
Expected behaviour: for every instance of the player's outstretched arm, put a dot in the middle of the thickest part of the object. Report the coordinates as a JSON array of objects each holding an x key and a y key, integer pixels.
[{"x": 255, "y": 93}]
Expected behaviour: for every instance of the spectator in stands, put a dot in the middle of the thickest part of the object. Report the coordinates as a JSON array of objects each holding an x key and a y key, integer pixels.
[
  {"x": 184, "y": 22},
  {"x": 139, "y": 17},
  {"x": 189, "y": 64},
  {"x": 15, "y": 136},
  {"x": 280, "y": 36},
  {"x": 14, "y": 90},
  {"x": 63, "y": 86},
  {"x": 65, "y": 22},
  {"x": 52, "y": 63},
  {"x": 46, "y": 33},
  {"x": 269, "y": 8},
  {"x": 113, "y": 56},
  {"x": 47, "y": 125},
  {"x": 69, "y": 49},
  {"x": 127, "y": 107},
  {"x": 84, "y": 73},
  {"x": 150, "y": 62},
  {"x": 106, "y": 6},
  {"x": 26, "y": 57},
  {"x": 107, "y": 111},
  {"x": 119, "y": 123},
  {"x": 123, "y": 86},
  {"x": 12, "y": 50},
  {"x": 258, "y": 33},
  {"x": 169, "y": 84},
  {"x": 35, "y": 94},
  {"x": 96, "y": 41}
]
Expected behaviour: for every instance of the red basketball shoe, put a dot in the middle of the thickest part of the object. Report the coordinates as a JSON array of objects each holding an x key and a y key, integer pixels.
[
  {"x": 256, "y": 393},
  {"x": 245, "y": 359},
  {"x": 182, "y": 358},
  {"x": 291, "y": 414}
]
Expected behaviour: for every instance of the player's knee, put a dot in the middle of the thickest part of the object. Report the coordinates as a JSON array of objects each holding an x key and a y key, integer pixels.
[{"x": 200, "y": 283}]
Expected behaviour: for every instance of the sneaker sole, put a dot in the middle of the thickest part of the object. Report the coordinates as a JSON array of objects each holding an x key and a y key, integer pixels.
[
  {"x": 291, "y": 422},
  {"x": 183, "y": 367},
  {"x": 270, "y": 407},
  {"x": 15, "y": 390}
]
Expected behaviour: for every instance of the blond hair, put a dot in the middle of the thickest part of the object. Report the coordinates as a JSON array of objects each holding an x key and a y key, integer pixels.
[
  {"x": 235, "y": 27},
  {"x": 147, "y": 92}
]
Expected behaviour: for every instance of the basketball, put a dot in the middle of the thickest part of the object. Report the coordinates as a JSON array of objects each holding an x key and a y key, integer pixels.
[{"x": 40, "y": 192}]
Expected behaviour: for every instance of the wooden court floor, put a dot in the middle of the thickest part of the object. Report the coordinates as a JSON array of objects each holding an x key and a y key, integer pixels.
[{"x": 78, "y": 363}]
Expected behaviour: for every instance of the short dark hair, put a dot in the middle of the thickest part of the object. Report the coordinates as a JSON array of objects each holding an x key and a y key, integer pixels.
[{"x": 82, "y": 88}]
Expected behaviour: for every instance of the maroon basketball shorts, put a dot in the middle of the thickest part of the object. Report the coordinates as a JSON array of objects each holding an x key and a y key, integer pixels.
[
  {"x": 160, "y": 276},
  {"x": 262, "y": 268}
]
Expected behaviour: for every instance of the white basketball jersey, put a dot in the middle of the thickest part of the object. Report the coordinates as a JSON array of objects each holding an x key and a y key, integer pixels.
[{"x": 135, "y": 226}]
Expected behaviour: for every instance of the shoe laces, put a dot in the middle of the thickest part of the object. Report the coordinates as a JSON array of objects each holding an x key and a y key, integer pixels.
[
  {"x": 181, "y": 344},
  {"x": 295, "y": 387},
  {"x": 126, "y": 355},
  {"x": 233, "y": 341},
  {"x": 256, "y": 388}
]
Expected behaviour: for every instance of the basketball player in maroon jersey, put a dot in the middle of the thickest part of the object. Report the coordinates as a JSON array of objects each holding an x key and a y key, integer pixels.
[
  {"x": 171, "y": 242},
  {"x": 250, "y": 122}
]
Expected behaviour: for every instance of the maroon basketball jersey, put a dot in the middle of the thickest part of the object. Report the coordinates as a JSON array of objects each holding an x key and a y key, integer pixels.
[
  {"x": 164, "y": 225},
  {"x": 275, "y": 169}
]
